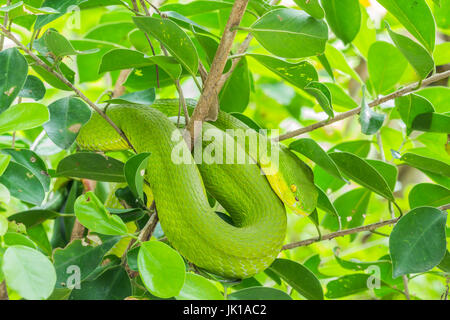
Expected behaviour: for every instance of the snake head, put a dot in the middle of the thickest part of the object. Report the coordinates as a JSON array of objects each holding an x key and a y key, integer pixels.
[{"x": 294, "y": 183}]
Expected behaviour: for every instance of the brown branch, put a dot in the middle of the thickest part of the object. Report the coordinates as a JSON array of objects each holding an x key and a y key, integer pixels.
[
  {"x": 207, "y": 107},
  {"x": 42, "y": 64},
  {"x": 376, "y": 102},
  {"x": 3, "y": 291},
  {"x": 346, "y": 232},
  {"x": 119, "y": 88}
]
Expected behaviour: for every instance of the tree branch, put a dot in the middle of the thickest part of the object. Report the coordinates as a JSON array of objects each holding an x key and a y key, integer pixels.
[
  {"x": 346, "y": 232},
  {"x": 376, "y": 102},
  {"x": 42, "y": 64},
  {"x": 207, "y": 107},
  {"x": 3, "y": 291}
]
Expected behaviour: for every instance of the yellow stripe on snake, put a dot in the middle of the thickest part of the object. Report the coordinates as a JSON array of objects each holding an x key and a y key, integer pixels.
[{"x": 254, "y": 201}]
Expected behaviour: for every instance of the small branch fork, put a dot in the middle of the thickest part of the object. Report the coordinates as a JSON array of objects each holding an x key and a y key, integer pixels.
[
  {"x": 376, "y": 102},
  {"x": 42, "y": 64},
  {"x": 369, "y": 227},
  {"x": 207, "y": 107}
]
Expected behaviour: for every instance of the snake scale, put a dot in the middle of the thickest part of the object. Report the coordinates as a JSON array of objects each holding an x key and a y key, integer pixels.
[{"x": 255, "y": 203}]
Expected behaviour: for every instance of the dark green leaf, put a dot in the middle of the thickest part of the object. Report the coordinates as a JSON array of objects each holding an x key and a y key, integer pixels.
[
  {"x": 432, "y": 122},
  {"x": 92, "y": 166},
  {"x": 134, "y": 171},
  {"x": 410, "y": 106},
  {"x": 370, "y": 120},
  {"x": 427, "y": 164},
  {"x": 347, "y": 285},
  {"x": 419, "y": 58},
  {"x": 387, "y": 170},
  {"x": 235, "y": 94},
  {"x": 33, "y": 89},
  {"x": 417, "y": 242},
  {"x": 259, "y": 293},
  {"x": 299, "y": 277},
  {"x": 13, "y": 74},
  {"x": 33, "y": 217},
  {"x": 362, "y": 173},
  {"x": 118, "y": 59},
  {"x": 174, "y": 39},
  {"x": 323, "y": 96},
  {"x": 145, "y": 97}
]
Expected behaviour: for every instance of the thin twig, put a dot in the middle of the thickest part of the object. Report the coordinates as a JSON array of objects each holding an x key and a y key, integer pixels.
[
  {"x": 376, "y": 102},
  {"x": 5, "y": 23},
  {"x": 405, "y": 285},
  {"x": 346, "y": 232},
  {"x": 42, "y": 64},
  {"x": 207, "y": 107},
  {"x": 3, "y": 291}
]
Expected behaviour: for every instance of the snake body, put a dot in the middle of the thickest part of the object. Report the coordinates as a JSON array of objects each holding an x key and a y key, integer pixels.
[{"x": 238, "y": 248}]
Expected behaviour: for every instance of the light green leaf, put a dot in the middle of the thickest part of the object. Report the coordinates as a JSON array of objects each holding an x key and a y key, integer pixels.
[
  {"x": 347, "y": 285},
  {"x": 259, "y": 293},
  {"x": 198, "y": 288},
  {"x": 290, "y": 33},
  {"x": 3, "y": 225},
  {"x": 410, "y": 106},
  {"x": 23, "y": 116},
  {"x": 417, "y": 242},
  {"x": 343, "y": 17},
  {"x": 441, "y": 54},
  {"x": 161, "y": 269},
  {"x": 428, "y": 194},
  {"x": 28, "y": 272},
  {"x": 338, "y": 61},
  {"x": 386, "y": 66},
  {"x": 312, "y": 7},
  {"x": 118, "y": 59},
  {"x": 92, "y": 214}
]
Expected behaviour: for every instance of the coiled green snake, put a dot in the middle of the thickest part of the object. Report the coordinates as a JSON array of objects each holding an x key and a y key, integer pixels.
[{"x": 254, "y": 202}]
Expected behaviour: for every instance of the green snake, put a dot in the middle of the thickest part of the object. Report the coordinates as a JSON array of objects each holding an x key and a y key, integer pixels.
[{"x": 239, "y": 248}]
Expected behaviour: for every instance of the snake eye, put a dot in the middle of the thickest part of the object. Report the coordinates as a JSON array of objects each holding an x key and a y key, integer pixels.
[{"x": 293, "y": 188}]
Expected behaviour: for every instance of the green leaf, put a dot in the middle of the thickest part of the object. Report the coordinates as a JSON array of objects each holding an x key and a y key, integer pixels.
[
  {"x": 387, "y": 170},
  {"x": 416, "y": 17},
  {"x": 441, "y": 54},
  {"x": 324, "y": 203},
  {"x": 112, "y": 284},
  {"x": 297, "y": 36},
  {"x": 92, "y": 214},
  {"x": 343, "y": 17},
  {"x": 28, "y": 272},
  {"x": 4, "y": 162},
  {"x": 13, "y": 74},
  {"x": 432, "y": 122},
  {"x": 428, "y": 194},
  {"x": 366, "y": 35},
  {"x": 161, "y": 269},
  {"x": 340, "y": 97},
  {"x": 410, "y": 106},
  {"x": 174, "y": 39},
  {"x": 67, "y": 116},
  {"x": 362, "y": 173},
  {"x": 31, "y": 218},
  {"x": 145, "y": 97},
  {"x": 58, "y": 44},
  {"x": 31, "y": 161},
  {"x": 134, "y": 171},
  {"x": 370, "y": 120},
  {"x": 92, "y": 166},
  {"x": 3, "y": 225},
  {"x": 23, "y": 184},
  {"x": 33, "y": 89},
  {"x": 198, "y": 288},
  {"x": 196, "y": 7},
  {"x": 235, "y": 94},
  {"x": 419, "y": 58},
  {"x": 18, "y": 239},
  {"x": 312, "y": 7},
  {"x": 338, "y": 61},
  {"x": 444, "y": 265},
  {"x": 351, "y": 208},
  {"x": 118, "y": 59},
  {"x": 356, "y": 265},
  {"x": 23, "y": 116},
  {"x": 259, "y": 293},
  {"x": 323, "y": 96},
  {"x": 39, "y": 235},
  {"x": 299, "y": 278},
  {"x": 50, "y": 78},
  {"x": 426, "y": 163},
  {"x": 438, "y": 96},
  {"x": 347, "y": 285},
  {"x": 298, "y": 74},
  {"x": 169, "y": 65},
  {"x": 311, "y": 149},
  {"x": 85, "y": 257},
  {"x": 61, "y": 6},
  {"x": 417, "y": 242},
  {"x": 386, "y": 66}
]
